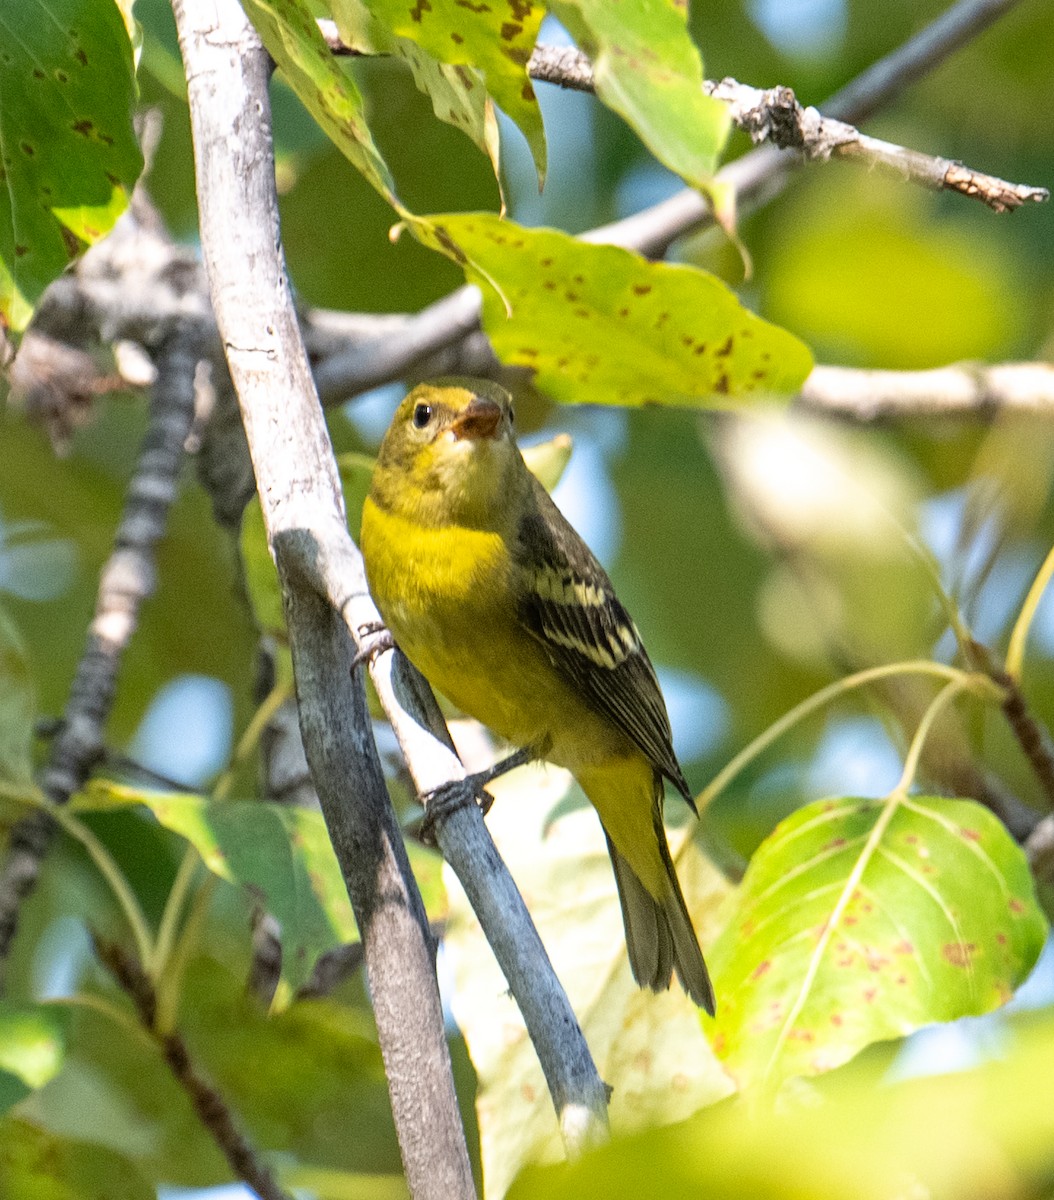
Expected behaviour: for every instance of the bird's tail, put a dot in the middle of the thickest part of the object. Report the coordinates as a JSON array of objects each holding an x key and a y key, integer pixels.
[{"x": 659, "y": 934}]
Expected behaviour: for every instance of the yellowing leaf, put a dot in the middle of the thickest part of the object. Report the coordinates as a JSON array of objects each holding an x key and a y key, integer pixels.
[
  {"x": 600, "y": 325},
  {"x": 458, "y": 93},
  {"x": 649, "y": 1048},
  {"x": 855, "y": 924},
  {"x": 496, "y": 37}
]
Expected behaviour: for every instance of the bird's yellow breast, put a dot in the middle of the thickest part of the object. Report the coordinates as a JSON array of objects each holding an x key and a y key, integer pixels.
[{"x": 448, "y": 596}]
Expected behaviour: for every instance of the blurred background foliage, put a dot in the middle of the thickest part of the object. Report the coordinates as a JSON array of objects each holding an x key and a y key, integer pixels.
[{"x": 761, "y": 559}]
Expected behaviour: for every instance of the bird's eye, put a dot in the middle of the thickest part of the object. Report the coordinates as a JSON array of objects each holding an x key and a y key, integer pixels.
[{"x": 422, "y": 415}]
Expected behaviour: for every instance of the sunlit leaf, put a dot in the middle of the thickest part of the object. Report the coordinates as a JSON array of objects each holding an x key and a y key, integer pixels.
[
  {"x": 648, "y": 70},
  {"x": 17, "y": 707},
  {"x": 68, "y": 153},
  {"x": 494, "y": 40},
  {"x": 37, "y": 1164},
  {"x": 601, "y": 325},
  {"x": 293, "y": 40},
  {"x": 958, "y": 1135},
  {"x": 547, "y": 461},
  {"x": 32, "y": 1045},
  {"x": 861, "y": 920},
  {"x": 458, "y": 93},
  {"x": 649, "y": 1048},
  {"x": 328, "y": 1184},
  {"x": 281, "y": 852}
]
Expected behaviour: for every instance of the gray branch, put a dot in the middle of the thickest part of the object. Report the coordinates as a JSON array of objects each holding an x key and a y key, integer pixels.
[
  {"x": 965, "y": 390},
  {"x": 775, "y": 116},
  {"x": 762, "y": 174},
  {"x": 128, "y": 578}
]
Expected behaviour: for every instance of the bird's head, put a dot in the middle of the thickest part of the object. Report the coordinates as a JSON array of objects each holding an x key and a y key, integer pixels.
[{"x": 449, "y": 455}]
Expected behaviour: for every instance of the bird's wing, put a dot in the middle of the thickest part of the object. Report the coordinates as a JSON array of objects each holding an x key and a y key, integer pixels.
[{"x": 570, "y": 606}]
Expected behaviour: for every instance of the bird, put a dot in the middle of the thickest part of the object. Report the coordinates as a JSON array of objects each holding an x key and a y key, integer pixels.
[{"x": 491, "y": 594}]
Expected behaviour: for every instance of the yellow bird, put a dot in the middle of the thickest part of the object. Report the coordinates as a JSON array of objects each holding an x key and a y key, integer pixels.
[{"x": 496, "y": 600}]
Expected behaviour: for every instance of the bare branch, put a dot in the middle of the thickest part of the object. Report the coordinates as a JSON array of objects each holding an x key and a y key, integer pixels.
[
  {"x": 127, "y": 579},
  {"x": 967, "y": 390},
  {"x": 774, "y": 115},
  {"x": 579, "y": 1095},
  {"x": 227, "y": 71},
  {"x": 211, "y": 1107},
  {"x": 762, "y": 174}
]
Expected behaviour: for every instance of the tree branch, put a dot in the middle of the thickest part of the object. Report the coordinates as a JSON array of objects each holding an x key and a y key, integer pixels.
[
  {"x": 964, "y": 390},
  {"x": 212, "y": 1109},
  {"x": 322, "y": 577},
  {"x": 774, "y": 115},
  {"x": 762, "y": 174},
  {"x": 127, "y": 579}
]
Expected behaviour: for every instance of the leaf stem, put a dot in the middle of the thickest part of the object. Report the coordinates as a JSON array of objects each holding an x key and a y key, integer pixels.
[
  {"x": 107, "y": 867},
  {"x": 973, "y": 680},
  {"x": 911, "y": 761},
  {"x": 1015, "y": 653},
  {"x": 166, "y": 930},
  {"x": 249, "y": 740}
]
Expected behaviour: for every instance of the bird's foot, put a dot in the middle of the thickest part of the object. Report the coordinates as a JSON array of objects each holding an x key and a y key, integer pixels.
[
  {"x": 446, "y": 799},
  {"x": 375, "y": 639}
]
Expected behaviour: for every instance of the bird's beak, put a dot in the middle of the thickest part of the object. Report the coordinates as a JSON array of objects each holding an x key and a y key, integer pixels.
[{"x": 479, "y": 420}]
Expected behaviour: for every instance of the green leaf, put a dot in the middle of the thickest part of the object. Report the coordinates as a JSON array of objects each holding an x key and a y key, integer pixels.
[
  {"x": 602, "y": 325},
  {"x": 648, "y": 1048},
  {"x": 293, "y": 40},
  {"x": 280, "y": 852},
  {"x": 17, "y": 708},
  {"x": 32, "y": 1047},
  {"x": 648, "y": 70},
  {"x": 497, "y": 38},
  {"x": 37, "y": 1165},
  {"x": 949, "y": 1137},
  {"x": 69, "y": 153},
  {"x": 858, "y": 921},
  {"x": 458, "y": 94}
]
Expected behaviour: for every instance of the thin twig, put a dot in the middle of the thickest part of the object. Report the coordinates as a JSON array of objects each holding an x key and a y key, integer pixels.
[
  {"x": 762, "y": 174},
  {"x": 127, "y": 579},
  {"x": 212, "y": 1109},
  {"x": 775, "y": 116},
  {"x": 299, "y": 486},
  {"x": 1032, "y": 737}
]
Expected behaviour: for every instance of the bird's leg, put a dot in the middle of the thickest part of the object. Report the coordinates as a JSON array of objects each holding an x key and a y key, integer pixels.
[
  {"x": 459, "y": 793},
  {"x": 376, "y": 640}
]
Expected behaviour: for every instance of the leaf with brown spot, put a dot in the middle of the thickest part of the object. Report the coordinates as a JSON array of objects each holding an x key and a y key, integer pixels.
[
  {"x": 630, "y": 319},
  {"x": 494, "y": 38},
  {"x": 457, "y": 92},
  {"x": 67, "y": 92},
  {"x": 862, "y": 920}
]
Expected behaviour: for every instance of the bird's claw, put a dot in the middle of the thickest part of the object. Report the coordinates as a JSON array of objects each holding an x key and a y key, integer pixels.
[
  {"x": 446, "y": 799},
  {"x": 376, "y": 639}
]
